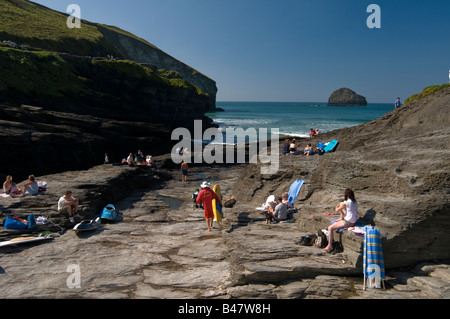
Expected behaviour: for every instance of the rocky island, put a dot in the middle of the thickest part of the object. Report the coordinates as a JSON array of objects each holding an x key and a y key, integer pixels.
[{"x": 346, "y": 97}]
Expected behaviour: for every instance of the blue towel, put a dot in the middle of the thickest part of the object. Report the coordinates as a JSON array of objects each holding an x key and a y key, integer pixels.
[
  {"x": 373, "y": 252},
  {"x": 295, "y": 189}
]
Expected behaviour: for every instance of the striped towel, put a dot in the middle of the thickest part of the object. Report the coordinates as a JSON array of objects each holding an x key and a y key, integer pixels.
[{"x": 373, "y": 253}]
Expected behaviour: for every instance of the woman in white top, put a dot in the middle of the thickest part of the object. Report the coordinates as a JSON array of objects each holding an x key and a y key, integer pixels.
[{"x": 349, "y": 215}]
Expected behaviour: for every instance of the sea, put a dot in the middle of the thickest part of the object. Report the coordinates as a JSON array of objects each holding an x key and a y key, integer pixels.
[{"x": 293, "y": 118}]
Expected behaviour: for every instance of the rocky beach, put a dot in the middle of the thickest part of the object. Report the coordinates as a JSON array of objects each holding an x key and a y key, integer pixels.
[
  {"x": 159, "y": 248},
  {"x": 70, "y": 95}
]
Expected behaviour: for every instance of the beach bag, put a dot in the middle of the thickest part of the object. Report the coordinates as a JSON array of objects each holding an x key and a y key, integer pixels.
[
  {"x": 307, "y": 240},
  {"x": 31, "y": 222},
  {"x": 321, "y": 240},
  {"x": 229, "y": 203},
  {"x": 15, "y": 223}
]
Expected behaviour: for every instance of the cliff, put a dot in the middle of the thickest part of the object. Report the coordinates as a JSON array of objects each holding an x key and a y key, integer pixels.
[
  {"x": 346, "y": 97},
  {"x": 141, "y": 51},
  {"x": 397, "y": 166},
  {"x": 62, "y": 112},
  {"x": 34, "y": 25}
]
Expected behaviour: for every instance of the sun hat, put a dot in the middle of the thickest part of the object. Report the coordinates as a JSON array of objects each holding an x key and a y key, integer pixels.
[{"x": 204, "y": 184}]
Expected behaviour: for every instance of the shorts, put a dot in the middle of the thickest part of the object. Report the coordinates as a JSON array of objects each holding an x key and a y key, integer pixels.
[
  {"x": 185, "y": 172},
  {"x": 348, "y": 224},
  {"x": 209, "y": 214}
]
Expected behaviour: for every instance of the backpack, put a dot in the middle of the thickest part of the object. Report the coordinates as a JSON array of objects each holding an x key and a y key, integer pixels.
[
  {"x": 230, "y": 203},
  {"x": 31, "y": 222},
  {"x": 321, "y": 240},
  {"x": 15, "y": 223},
  {"x": 307, "y": 240}
]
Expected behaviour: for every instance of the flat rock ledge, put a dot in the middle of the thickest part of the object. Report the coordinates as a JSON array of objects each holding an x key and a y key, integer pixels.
[{"x": 160, "y": 248}]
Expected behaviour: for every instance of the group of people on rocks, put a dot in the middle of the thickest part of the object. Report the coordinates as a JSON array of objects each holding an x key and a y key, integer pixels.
[
  {"x": 290, "y": 147},
  {"x": 66, "y": 203},
  {"x": 30, "y": 187},
  {"x": 134, "y": 160},
  {"x": 277, "y": 211}
]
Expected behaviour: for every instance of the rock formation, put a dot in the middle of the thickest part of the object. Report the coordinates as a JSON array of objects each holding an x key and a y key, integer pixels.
[
  {"x": 399, "y": 169},
  {"x": 346, "y": 97},
  {"x": 141, "y": 52},
  {"x": 87, "y": 108}
]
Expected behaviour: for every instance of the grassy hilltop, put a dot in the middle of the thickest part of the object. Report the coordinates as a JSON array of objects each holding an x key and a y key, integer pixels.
[{"x": 37, "y": 26}]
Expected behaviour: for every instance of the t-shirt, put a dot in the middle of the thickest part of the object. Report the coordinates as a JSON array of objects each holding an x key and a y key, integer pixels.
[
  {"x": 62, "y": 202},
  {"x": 351, "y": 211},
  {"x": 281, "y": 211},
  {"x": 33, "y": 189}
]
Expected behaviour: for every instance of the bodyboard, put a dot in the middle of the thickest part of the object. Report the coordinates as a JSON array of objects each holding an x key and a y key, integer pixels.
[
  {"x": 331, "y": 146},
  {"x": 294, "y": 190},
  {"x": 217, "y": 208}
]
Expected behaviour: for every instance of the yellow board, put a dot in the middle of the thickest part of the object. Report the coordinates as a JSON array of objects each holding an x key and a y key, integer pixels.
[{"x": 217, "y": 208}]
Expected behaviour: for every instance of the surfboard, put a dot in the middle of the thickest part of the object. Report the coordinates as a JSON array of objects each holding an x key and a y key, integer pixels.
[
  {"x": 331, "y": 146},
  {"x": 87, "y": 225},
  {"x": 109, "y": 213},
  {"x": 23, "y": 240},
  {"x": 217, "y": 208}
]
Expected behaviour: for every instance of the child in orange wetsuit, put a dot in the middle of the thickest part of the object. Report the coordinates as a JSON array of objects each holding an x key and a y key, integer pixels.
[{"x": 206, "y": 196}]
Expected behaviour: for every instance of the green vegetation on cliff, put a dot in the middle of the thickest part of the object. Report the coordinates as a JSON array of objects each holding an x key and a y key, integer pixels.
[
  {"x": 39, "y": 28},
  {"x": 427, "y": 91},
  {"x": 31, "y": 24},
  {"x": 43, "y": 73},
  {"x": 40, "y": 72}
]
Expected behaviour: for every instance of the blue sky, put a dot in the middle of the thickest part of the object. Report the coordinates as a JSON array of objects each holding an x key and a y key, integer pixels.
[{"x": 292, "y": 50}]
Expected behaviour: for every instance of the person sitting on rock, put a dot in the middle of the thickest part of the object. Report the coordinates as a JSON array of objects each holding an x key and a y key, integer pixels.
[
  {"x": 30, "y": 187},
  {"x": 285, "y": 197},
  {"x": 349, "y": 215},
  {"x": 69, "y": 204},
  {"x": 293, "y": 147},
  {"x": 286, "y": 147},
  {"x": 7, "y": 185},
  {"x": 308, "y": 150},
  {"x": 130, "y": 160},
  {"x": 281, "y": 211}
]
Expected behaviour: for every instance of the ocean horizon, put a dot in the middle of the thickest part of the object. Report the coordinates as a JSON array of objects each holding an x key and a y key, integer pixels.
[{"x": 295, "y": 118}]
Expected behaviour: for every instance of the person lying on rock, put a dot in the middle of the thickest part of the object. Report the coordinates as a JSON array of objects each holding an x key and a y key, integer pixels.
[
  {"x": 69, "y": 204},
  {"x": 349, "y": 215}
]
